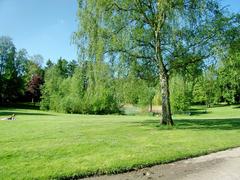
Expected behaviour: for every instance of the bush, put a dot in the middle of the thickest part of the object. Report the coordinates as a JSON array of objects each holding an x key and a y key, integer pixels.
[
  {"x": 180, "y": 97},
  {"x": 88, "y": 91}
]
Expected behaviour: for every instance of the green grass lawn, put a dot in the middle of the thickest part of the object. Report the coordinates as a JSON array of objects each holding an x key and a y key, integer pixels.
[{"x": 44, "y": 145}]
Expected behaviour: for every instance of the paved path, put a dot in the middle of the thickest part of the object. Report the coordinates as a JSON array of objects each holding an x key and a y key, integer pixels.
[{"x": 224, "y": 165}]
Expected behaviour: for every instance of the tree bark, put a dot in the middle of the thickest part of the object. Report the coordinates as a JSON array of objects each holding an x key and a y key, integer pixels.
[
  {"x": 33, "y": 101},
  {"x": 150, "y": 106},
  {"x": 164, "y": 80},
  {"x": 166, "y": 108}
]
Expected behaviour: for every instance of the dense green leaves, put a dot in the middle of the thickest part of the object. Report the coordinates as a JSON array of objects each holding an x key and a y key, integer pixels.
[
  {"x": 20, "y": 75},
  {"x": 89, "y": 89},
  {"x": 11, "y": 68},
  {"x": 129, "y": 50},
  {"x": 170, "y": 35}
]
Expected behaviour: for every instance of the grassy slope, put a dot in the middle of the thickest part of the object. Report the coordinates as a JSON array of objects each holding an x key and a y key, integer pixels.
[{"x": 50, "y": 145}]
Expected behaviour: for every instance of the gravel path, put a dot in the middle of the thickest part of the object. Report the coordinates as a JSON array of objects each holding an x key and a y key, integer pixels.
[{"x": 216, "y": 166}]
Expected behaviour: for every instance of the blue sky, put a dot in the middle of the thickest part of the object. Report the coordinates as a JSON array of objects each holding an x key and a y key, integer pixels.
[
  {"x": 45, "y": 26},
  {"x": 233, "y": 5},
  {"x": 40, "y": 26}
]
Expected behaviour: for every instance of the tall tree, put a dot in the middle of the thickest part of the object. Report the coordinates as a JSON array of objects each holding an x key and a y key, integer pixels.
[
  {"x": 33, "y": 88},
  {"x": 21, "y": 62},
  {"x": 10, "y": 81},
  {"x": 49, "y": 64},
  {"x": 71, "y": 67},
  {"x": 229, "y": 66},
  {"x": 170, "y": 33}
]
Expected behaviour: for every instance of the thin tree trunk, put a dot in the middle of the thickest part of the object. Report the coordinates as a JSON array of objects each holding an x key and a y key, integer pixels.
[
  {"x": 33, "y": 102},
  {"x": 166, "y": 108},
  {"x": 150, "y": 106}
]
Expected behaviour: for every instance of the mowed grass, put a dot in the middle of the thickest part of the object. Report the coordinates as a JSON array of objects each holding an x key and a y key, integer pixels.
[{"x": 46, "y": 145}]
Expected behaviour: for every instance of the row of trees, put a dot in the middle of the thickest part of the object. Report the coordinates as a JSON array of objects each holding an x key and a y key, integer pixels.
[
  {"x": 101, "y": 87},
  {"x": 72, "y": 87},
  {"x": 170, "y": 34},
  {"x": 215, "y": 80},
  {"x": 91, "y": 87},
  {"x": 134, "y": 52},
  {"x": 20, "y": 75}
]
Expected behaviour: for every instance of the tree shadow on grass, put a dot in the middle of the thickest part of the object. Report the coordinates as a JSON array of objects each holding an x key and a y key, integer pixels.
[
  {"x": 196, "y": 112},
  {"x": 9, "y": 109},
  {"x": 20, "y": 106},
  {"x": 197, "y": 124},
  {"x": 9, "y": 113},
  {"x": 214, "y": 124},
  {"x": 236, "y": 107}
]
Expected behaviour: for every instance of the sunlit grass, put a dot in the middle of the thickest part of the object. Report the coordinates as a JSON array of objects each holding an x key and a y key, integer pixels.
[{"x": 47, "y": 145}]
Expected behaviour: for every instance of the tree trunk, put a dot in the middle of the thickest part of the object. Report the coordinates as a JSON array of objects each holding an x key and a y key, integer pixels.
[
  {"x": 166, "y": 108},
  {"x": 150, "y": 106},
  {"x": 33, "y": 102}
]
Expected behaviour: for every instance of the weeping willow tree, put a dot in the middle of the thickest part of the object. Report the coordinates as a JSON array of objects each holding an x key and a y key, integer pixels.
[{"x": 169, "y": 33}]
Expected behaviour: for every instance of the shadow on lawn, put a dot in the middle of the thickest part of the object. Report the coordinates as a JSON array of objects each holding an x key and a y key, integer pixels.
[
  {"x": 236, "y": 107},
  {"x": 198, "y": 111},
  {"x": 20, "y": 106},
  {"x": 10, "y": 109},
  {"x": 197, "y": 124},
  {"x": 9, "y": 113}
]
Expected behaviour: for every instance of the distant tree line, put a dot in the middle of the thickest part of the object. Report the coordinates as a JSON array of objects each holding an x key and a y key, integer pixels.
[
  {"x": 201, "y": 68},
  {"x": 91, "y": 87},
  {"x": 21, "y": 75},
  {"x": 102, "y": 87},
  {"x": 172, "y": 36}
]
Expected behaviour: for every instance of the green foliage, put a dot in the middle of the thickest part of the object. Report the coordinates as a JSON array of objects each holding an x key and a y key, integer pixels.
[
  {"x": 99, "y": 97},
  {"x": 126, "y": 48},
  {"x": 89, "y": 90},
  {"x": 205, "y": 91},
  {"x": 220, "y": 82},
  {"x": 228, "y": 75},
  {"x": 169, "y": 35},
  {"x": 135, "y": 83},
  {"x": 11, "y": 71},
  {"x": 132, "y": 90},
  {"x": 180, "y": 95}
]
